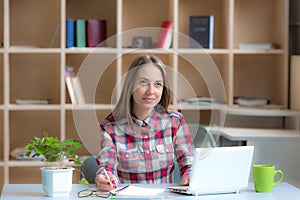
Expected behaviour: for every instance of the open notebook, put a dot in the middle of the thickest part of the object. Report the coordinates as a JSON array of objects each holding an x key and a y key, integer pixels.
[{"x": 218, "y": 170}]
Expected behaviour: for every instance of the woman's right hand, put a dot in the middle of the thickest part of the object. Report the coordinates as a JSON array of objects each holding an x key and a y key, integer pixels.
[{"x": 103, "y": 183}]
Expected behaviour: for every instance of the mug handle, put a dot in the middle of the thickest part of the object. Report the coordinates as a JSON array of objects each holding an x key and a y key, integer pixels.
[{"x": 280, "y": 179}]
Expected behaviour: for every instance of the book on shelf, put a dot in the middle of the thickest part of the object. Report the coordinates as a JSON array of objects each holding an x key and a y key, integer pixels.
[
  {"x": 69, "y": 74},
  {"x": 258, "y": 46},
  {"x": 70, "y": 25},
  {"x": 96, "y": 32},
  {"x": 249, "y": 101},
  {"x": 80, "y": 25},
  {"x": 78, "y": 90},
  {"x": 54, "y": 35},
  {"x": 74, "y": 87},
  {"x": 24, "y": 47},
  {"x": 19, "y": 153},
  {"x": 164, "y": 37},
  {"x": 32, "y": 101},
  {"x": 70, "y": 87},
  {"x": 199, "y": 101},
  {"x": 201, "y": 31}
]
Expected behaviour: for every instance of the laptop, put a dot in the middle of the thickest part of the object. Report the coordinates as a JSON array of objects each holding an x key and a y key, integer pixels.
[{"x": 218, "y": 170}]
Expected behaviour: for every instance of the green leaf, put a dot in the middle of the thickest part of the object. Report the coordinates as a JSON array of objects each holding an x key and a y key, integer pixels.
[
  {"x": 28, "y": 153},
  {"x": 53, "y": 149},
  {"x": 83, "y": 181}
]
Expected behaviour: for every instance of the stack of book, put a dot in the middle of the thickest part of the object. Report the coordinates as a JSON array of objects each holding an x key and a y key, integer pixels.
[
  {"x": 86, "y": 33},
  {"x": 258, "y": 46},
  {"x": 32, "y": 101},
  {"x": 251, "y": 101},
  {"x": 199, "y": 101},
  {"x": 19, "y": 153}
]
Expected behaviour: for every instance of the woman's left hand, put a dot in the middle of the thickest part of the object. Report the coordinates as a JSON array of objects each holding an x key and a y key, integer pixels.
[{"x": 185, "y": 181}]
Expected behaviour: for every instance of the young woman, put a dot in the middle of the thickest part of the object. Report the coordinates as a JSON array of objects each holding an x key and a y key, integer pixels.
[{"x": 141, "y": 139}]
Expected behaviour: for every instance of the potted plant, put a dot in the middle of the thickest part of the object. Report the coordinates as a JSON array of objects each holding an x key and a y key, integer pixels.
[{"x": 59, "y": 156}]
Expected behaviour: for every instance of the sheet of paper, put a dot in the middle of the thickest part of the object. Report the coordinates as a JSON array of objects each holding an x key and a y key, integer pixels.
[{"x": 137, "y": 191}]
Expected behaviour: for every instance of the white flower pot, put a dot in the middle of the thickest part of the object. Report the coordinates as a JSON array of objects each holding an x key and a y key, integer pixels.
[{"x": 57, "y": 182}]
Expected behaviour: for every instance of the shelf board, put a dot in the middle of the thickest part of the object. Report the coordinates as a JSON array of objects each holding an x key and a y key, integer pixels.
[
  {"x": 172, "y": 50},
  {"x": 199, "y": 107},
  {"x": 262, "y": 111},
  {"x": 89, "y": 106},
  {"x": 102, "y": 50},
  {"x": 20, "y": 49},
  {"x": 31, "y": 163},
  {"x": 26, "y": 163},
  {"x": 34, "y": 107},
  {"x": 147, "y": 51},
  {"x": 258, "y": 51},
  {"x": 202, "y": 51},
  {"x": 107, "y": 50}
]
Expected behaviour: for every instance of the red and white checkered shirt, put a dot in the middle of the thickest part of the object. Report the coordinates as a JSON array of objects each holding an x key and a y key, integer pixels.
[{"x": 146, "y": 152}]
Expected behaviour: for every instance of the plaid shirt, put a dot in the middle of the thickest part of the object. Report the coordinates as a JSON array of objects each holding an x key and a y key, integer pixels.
[{"x": 146, "y": 151}]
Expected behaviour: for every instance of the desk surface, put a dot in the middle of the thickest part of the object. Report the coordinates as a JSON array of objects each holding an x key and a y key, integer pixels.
[
  {"x": 34, "y": 192},
  {"x": 240, "y": 134}
]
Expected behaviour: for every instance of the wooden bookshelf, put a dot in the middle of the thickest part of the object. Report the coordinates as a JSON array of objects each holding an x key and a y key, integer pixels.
[{"x": 29, "y": 68}]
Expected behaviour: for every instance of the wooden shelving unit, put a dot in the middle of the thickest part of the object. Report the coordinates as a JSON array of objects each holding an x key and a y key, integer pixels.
[
  {"x": 29, "y": 68},
  {"x": 294, "y": 53}
]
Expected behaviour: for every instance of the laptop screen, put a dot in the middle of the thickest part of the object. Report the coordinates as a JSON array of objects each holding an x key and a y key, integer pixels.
[{"x": 221, "y": 169}]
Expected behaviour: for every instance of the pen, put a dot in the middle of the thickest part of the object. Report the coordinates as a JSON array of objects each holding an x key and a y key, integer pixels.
[
  {"x": 106, "y": 175},
  {"x": 114, "y": 192}
]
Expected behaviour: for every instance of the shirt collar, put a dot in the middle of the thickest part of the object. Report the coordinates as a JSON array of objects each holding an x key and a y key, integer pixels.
[
  {"x": 150, "y": 121},
  {"x": 148, "y": 125}
]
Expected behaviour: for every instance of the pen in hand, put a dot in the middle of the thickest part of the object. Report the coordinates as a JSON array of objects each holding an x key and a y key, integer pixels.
[{"x": 108, "y": 178}]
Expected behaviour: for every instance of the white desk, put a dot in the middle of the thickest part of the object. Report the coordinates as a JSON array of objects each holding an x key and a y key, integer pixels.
[
  {"x": 34, "y": 192},
  {"x": 240, "y": 134},
  {"x": 280, "y": 147}
]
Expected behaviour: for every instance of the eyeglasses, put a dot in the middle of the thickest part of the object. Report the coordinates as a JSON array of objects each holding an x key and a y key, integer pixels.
[
  {"x": 97, "y": 193},
  {"x": 144, "y": 82}
]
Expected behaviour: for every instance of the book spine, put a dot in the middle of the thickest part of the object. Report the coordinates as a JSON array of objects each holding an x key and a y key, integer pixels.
[
  {"x": 70, "y": 86},
  {"x": 211, "y": 32},
  {"x": 78, "y": 90},
  {"x": 164, "y": 36},
  {"x": 201, "y": 31},
  {"x": 96, "y": 32},
  {"x": 80, "y": 33},
  {"x": 70, "y": 33}
]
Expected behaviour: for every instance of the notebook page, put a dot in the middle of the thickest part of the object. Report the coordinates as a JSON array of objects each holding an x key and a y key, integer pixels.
[{"x": 139, "y": 191}]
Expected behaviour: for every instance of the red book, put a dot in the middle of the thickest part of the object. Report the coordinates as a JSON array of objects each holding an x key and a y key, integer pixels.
[
  {"x": 96, "y": 32},
  {"x": 164, "y": 36}
]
